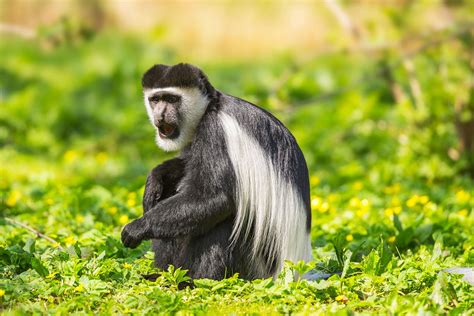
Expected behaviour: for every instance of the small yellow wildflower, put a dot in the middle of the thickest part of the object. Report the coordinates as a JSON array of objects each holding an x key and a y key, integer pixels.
[
  {"x": 391, "y": 239},
  {"x": 112, "y": 210},
  {"x": 354, "y": 202},
  {"x": 349, "y": 237},
  {"x": 365, "y": 203},
  {"x": 131, "y": 202},
  {"x": 316, "y": 202},
  {"x": 357, "y": 186},
  {"x": 123, "y": 219},
  {"x": 424, "y": 199},
  {"x": 411, "y": 202},
  {"x": 131, "y": 199},
  {"x": 324, "y": 207},
  {"x": 462, "y": 196},
  {"x": 79, "y": 219},
  {"x": 79, "y": 288},
  {"x": 463, "y": 212},
  {"x": 314, "y": 181},
  {"x": 56, "y": 245},
  {"x": 392, "y": 210},
  {"x": 127, "y": 266},
  {"x": 70, "y": 156},
  {"x": 13, "y": 198},
  {"x": 51, "y": 275},
  {"x": 101, "y": 158},
  {"x": 70, "y": 240},
  {"x": 332, "y": 197},
  {"x": 49, "y": 201},
  {"x": 2, "y": 292},
  {"x": 342, "y": 298},
  {"x": 361, "y": 212}
]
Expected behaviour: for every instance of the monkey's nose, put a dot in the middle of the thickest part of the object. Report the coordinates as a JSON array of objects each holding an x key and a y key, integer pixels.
[{"x": 159, "y": 121}]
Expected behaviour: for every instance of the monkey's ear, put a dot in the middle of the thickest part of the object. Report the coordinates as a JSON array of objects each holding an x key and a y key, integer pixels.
[{"x": 153, "y": 75}]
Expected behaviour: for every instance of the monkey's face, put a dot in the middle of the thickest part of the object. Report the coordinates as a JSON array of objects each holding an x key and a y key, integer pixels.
[
  {"x": 165, "y": 110},
  {"x": 175, "y": 113}
]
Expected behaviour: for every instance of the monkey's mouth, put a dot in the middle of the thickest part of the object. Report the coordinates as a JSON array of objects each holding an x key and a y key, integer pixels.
[{"x": 167, "y": 130}]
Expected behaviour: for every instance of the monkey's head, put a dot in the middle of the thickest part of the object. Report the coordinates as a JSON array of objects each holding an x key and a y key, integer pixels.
[{"x": 176, "y": 98}]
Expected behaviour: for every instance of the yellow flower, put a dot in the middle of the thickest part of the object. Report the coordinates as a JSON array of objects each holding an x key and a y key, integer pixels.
[
  {"x": 411, "y": 202},
  {"x": 314, "y": 181},
  {"x": 2, "y": 292},
  {"x": 332, "y": 197},
  {"x": 101, "y": 158},
  {"x": 361, "y": 212},
  {"x": 79, "y": 219},
  {"x": 463, "y": 212},
  {"x": 131, "y": 199},
  {"x": 70, "y": 240},
  {"x": 389, "y": 211},
  {"x": 112, "y": 210},
  {"x": 324, "y": 207},
  {"x": 56, "y": 245},
  {"x": 395, "y": 201},
  {"x": 13, "y": 198},
  {"x": 391, "y": 239},
  {"x": 70, "y": 156},
  {"x": 49, "y": 201},
  {"x": 424, "y": 199},
  {"x": 79, "y": 288},
  {"x": 316, "y": 202},
  {"x": 365, "y": 203},
  {"x": 127, "y": 266},
  {"x": 51, "y": 275},
  {"x": 354, "y": 202},
  {"x": 357, "y": 186},
  {"x": 462, "y": 196},
  {"x": 123, "y": 219},
  {"x": 349, "y": 237},
  {"x": 341, "y": 298}
]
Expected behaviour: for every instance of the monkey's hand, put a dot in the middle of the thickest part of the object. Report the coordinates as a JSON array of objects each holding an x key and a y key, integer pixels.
[
  {"x": 162, "y": 182},
  {"x": 153, "y": 189},
  {"x": 135, "y": 232}
]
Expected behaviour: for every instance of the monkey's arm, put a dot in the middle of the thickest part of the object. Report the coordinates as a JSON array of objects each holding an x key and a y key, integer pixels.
[
  {"x": 162, "y": 182},
  {"x": 178, "y": 215}
]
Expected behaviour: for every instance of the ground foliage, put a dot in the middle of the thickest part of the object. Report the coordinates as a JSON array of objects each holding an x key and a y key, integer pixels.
[{"x": 392, "y": 199}]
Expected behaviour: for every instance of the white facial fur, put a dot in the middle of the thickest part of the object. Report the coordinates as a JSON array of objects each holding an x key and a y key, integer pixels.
[
  {"x": 266, "y": 200},
  {"x": 193, "y": 106}
]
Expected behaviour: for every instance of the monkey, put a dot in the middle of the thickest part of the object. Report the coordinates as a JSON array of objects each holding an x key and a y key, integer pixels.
[{"x": 236, "y": 198}]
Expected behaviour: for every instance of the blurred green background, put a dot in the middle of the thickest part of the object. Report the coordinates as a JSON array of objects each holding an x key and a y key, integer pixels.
[
  {"x": 361, "y": 85},
  {"x": 378, "y": 94}
]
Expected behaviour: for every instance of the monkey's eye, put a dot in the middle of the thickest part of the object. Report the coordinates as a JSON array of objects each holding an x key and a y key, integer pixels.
[
  {"x": 171, "y": 98},
  {"x": 154, "y": 99}
]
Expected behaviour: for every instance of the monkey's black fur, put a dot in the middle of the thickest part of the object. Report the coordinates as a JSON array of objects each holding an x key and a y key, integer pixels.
[{"x": 190, "y": 201}]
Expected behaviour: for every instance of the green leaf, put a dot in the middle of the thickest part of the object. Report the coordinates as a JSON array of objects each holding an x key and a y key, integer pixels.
[{"x": 39, "y": 267}]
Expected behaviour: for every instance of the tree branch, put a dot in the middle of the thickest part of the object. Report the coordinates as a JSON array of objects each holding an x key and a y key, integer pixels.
[{"x": 36, "y": 232}]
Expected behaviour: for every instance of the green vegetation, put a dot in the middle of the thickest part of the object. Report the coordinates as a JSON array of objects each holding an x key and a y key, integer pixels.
[{"x": 385, "y": 136}]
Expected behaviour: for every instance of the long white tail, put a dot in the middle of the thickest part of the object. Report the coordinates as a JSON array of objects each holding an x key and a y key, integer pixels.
[{"x": 265, "y": 202}]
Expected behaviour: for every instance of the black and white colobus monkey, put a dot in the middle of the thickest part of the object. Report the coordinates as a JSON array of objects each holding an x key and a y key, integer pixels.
[{"x": 236, "y": 199}]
